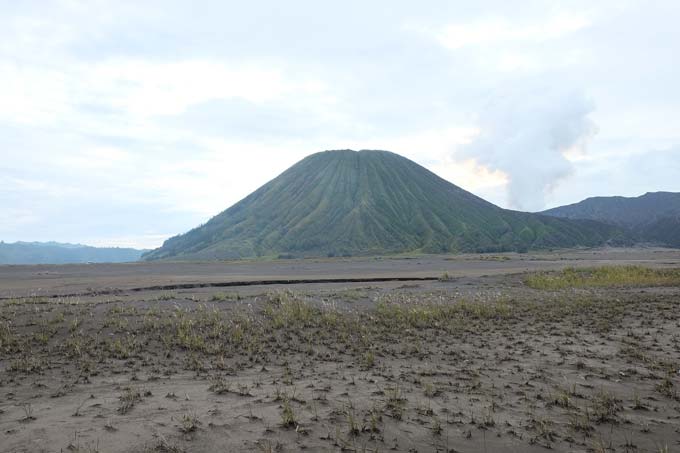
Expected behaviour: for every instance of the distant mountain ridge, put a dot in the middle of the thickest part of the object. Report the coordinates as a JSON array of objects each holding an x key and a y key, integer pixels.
[
  {"x": 368, "y": 203},
  {"x": 653, "y": 217},
  {"x": 60, "y": 253}
]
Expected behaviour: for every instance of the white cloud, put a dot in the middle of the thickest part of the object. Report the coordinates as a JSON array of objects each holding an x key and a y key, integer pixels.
[
  {"x": 96, "y": 157},
  {"x": 139, "y": 89},
  {"x": 499, "y": 30},
  {"x": 149, "y": 89},
  {"x": 31, "y": 95}
]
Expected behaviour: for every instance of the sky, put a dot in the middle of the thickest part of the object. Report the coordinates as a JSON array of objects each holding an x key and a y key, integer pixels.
[{"x": 123, "y": 123}]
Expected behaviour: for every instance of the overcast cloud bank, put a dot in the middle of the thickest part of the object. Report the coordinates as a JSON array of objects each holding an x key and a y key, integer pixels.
[{"x": 122, "y": 123}]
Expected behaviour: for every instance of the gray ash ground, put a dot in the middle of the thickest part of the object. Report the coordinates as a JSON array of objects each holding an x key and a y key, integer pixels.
[{"x": 478, "y": 363}]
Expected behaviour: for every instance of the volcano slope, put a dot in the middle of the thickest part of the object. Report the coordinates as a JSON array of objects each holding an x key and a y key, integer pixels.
[{"x": 371, "y": 203}]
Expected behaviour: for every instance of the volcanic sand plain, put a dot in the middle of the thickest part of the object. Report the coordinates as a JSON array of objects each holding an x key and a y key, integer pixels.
[{"x": 478, "y": 353}]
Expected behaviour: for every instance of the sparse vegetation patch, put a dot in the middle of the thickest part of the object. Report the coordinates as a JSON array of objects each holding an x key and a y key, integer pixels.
[
  {"x": 427, "y": 367},
  {"x": 604, "y": 276}
]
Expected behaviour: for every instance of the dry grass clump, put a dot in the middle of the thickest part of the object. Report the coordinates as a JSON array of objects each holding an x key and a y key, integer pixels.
[
  {"x": 432, "y": 315},
  {"x": 288, "y": 417},
  {"x": 189, "y": 423},
  {"x": 128, "y": 399},
  {"x": 446, "y": 277},
  {"x": 285, "y": 309},
  {"x": 8, "y": 339},
  {"x": 222, "y": 297},
  {"x": 605, "y": 407},
  {"x": 604, "y": 276}
]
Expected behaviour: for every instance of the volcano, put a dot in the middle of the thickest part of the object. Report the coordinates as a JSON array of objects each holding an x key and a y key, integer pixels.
[{"x": 341, "y": 203}]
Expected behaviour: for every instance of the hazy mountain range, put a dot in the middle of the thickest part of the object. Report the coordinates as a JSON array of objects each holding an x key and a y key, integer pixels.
[
  {"x": 58, "y": 253},
  {"x": 653, "y": 217}
]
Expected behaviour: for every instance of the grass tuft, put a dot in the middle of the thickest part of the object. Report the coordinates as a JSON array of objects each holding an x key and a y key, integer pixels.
[{"x": 604, "y": 276}]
